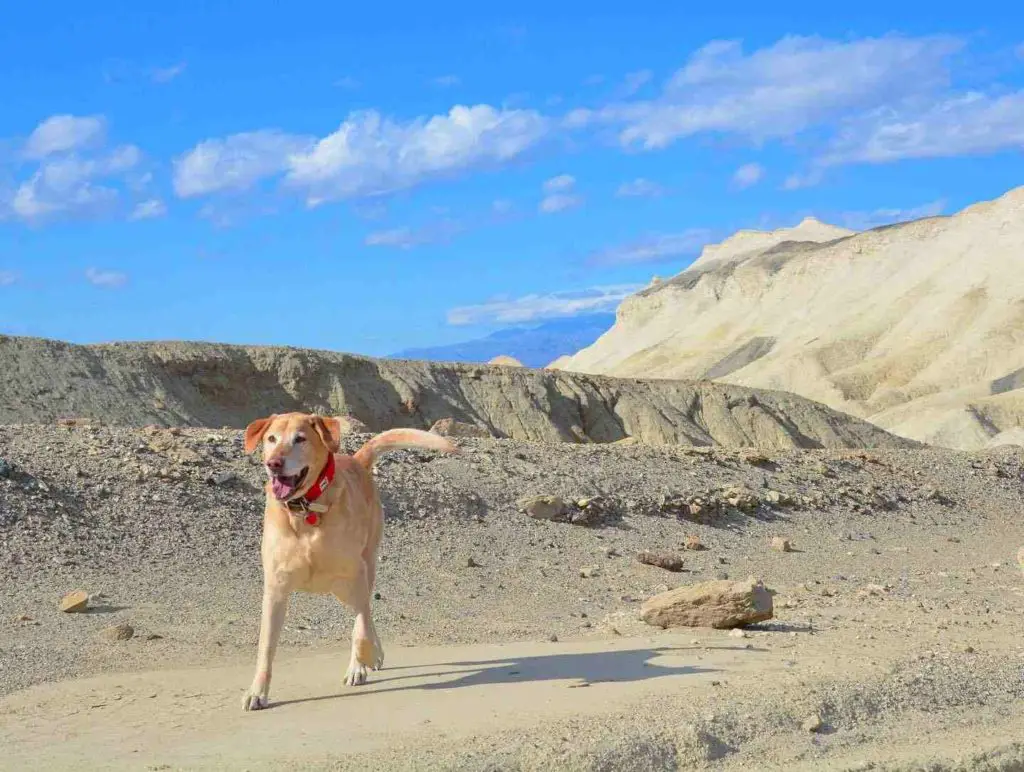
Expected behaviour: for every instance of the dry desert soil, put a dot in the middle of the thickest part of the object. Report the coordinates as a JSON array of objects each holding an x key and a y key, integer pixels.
[{"x": 513, "y": 642}]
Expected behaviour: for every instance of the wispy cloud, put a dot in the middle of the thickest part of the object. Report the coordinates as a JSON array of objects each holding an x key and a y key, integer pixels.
[
  {"x": 106, "y": 279},
  {"x": 167, "y": 74},
  {"x": 559, "y": 195},
  {"x": 407, "y": 238},
  {"x": 861, "y": 221},
  {"x": 347, "y": 82},
  {"x": 7, "y": 278},
  {"x": 148, "y": 210},
  {"x": 748, "y": 175},
  {"x": 73, "y": 174},
  {"x": 780, "y": 90},
  {"x": 961, "y": 125},
  {"x": 537, "y": 307},
  {"x": 447, "y": 81},
  {"x": 65, "y": 133},
  {"x": 634, "y": 81},
  {"x": 640, "y": 188},
  {"x": 654, "y": 248},
  {"x": 237, "y": 162}
]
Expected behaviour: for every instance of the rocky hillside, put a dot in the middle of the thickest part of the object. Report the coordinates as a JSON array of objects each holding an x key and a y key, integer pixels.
[
  {"x": 916, "y": 327},
  {"x": 179, "y": 384}
]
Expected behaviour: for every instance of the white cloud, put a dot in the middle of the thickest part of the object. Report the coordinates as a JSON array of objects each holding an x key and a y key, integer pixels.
[
  {"x": 560, "y": 202},
  {"x": 559, "y": 195},
  {"x": 167, "y": 74},
  {"x": 67, "y": 185},
  {"x": 593, "y": 80},
  {"x": 748, "y": 175},
  {"x": 347, "y": 82},
  {"x": 783, "y": 89},
  {"x": 371, "y": 155},
  {"x": 64, "y": 133},
  {"x": 640, "y": 188},
  {"x": 548, "y": 306},
  {"x": 561, "y": 183},
  {"x": 407, "y": 238},
  {"x": 447, "y": 81},
  {"x": 501, "y": 206},
  {"x": 654, "y": 248},
  {"x": 966, "y": 124},
  {"x": 862, "y": 221},
  {"x": 7, "y": 278},
  {"x": 237, "y": 162},
  {"x": 106, "y": 279},
  {"x": 148, "y": 210}
]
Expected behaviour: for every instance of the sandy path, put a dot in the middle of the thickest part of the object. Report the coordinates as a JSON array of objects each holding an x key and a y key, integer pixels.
[{"x": 192, "y": 718}]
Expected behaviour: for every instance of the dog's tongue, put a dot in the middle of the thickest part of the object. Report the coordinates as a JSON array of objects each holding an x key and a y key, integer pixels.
[{"x": 283, "y": 487}]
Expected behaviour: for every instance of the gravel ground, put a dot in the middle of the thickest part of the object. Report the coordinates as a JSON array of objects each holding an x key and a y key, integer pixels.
[{"x": 903, "y": 572}]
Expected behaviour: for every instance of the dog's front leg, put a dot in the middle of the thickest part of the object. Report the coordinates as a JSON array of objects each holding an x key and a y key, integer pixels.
[{"x": 275, "y": 606}]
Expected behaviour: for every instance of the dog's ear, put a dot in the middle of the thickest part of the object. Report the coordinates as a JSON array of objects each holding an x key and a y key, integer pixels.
[
  {"x": 254, "y": 433},
  {"x": 329, "y": 430}
]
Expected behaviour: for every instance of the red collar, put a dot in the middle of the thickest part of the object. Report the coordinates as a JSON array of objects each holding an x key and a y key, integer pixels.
[{"x": 305, "y": 502}]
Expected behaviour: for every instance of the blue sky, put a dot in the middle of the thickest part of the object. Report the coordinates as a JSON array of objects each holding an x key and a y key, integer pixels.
[{"x": 378, "y": 177}]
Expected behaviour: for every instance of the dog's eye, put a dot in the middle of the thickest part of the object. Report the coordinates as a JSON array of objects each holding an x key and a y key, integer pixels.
[
  {"x": 271, "y": 439},
  {"x": 299, "y": 438}
]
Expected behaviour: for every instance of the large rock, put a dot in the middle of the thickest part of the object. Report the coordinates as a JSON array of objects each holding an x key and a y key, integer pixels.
[
  {"x": 718, "y": 604},
  {"x": 75, "y": 602}
]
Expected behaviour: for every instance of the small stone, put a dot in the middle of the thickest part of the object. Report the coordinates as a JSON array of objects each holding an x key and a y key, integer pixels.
[
  {"x": 221, "y": 478},
  {"x": 120, "y": 632},
  {"x": 812, "y": 724},
  {"x": 663, "y": 560},
  {"x": 737, "y": 633},
  {"x": 6, "y": 470},
  {"x": 542, "y": 507},
  {"x": 449, "y": 427},
  {"x": 553, "y": 638},
  {"x": 779, "y": 544},
  {"x": 693, "y": 543},
  {"x": 471, "y": 563},
  {"x": 75, "y": 602},
  {"x": 590, "y": 572}
]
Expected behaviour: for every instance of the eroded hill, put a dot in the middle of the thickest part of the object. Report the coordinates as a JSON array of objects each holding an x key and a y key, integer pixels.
[{"x": 184, "y": 384}]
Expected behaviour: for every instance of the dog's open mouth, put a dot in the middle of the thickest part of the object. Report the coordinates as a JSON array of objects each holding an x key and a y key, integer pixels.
[{"x": 284, "y": 486}]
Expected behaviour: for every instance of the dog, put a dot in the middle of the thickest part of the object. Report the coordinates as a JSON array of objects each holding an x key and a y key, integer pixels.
[{"x": 322, "y": 524}]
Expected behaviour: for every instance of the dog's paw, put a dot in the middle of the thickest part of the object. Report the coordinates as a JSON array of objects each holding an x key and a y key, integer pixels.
[
  {"x": 378, "y": 661},
  {"x": 356, "y": 674},
  {"x": 254, "y": 701}
]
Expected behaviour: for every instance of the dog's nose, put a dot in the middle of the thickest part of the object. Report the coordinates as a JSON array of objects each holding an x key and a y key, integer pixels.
[{"x": 275, "y": 464}]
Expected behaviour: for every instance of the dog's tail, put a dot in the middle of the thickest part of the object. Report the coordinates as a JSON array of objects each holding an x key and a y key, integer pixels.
[{"x": 394, "y": 439}]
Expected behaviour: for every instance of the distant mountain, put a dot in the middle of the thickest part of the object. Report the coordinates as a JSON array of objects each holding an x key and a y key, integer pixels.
[
  {"x": 917, "y": 327},
  {"x": 534, "y": 346}
]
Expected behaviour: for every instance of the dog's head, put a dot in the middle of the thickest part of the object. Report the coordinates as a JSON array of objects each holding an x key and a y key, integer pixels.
[{"x": 296, "y": 447}]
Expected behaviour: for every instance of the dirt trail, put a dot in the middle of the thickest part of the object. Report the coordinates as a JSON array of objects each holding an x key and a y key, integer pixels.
[{"x": 432, "y": 707}]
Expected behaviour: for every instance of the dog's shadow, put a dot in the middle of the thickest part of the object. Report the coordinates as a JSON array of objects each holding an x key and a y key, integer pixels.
[{"x": 579, "y": 669}]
